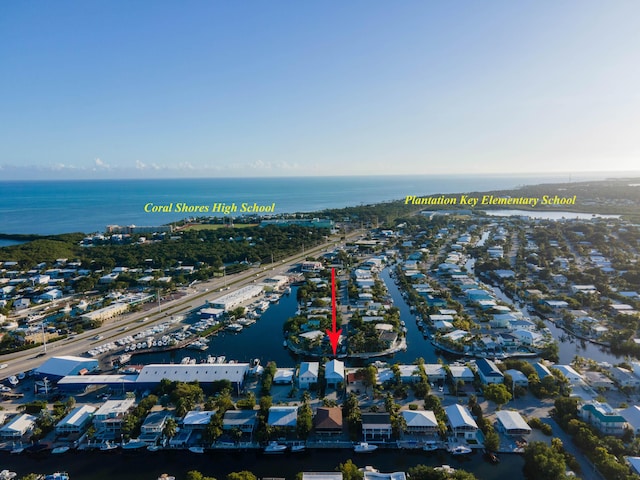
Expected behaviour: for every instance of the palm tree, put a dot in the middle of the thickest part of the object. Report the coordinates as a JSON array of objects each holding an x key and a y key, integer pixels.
[{"x": 170, "y": 428}]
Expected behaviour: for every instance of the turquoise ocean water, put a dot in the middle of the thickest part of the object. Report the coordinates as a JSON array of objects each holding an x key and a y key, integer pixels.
[{"x": 50, "y": 207}]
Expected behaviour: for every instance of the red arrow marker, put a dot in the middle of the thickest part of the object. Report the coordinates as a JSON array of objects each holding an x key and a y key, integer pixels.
[{"x": 333, "y": 335}]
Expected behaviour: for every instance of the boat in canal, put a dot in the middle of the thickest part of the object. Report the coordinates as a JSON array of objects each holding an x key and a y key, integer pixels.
[
  {"x": 59, "y": 450},
  {"x": 364, "y": 447},
  {"x": 133, "y": 444},
  {"x": 108, "y": 446},
  {"x": 275, "y": 447},
  {"x": 460, "y": 450},
  {"x": 430, "y": 446},
  {"x": 57, "y": 476}
]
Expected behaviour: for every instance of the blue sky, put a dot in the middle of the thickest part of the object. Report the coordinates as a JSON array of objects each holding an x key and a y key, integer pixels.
[{"x": 115, "y": 89}]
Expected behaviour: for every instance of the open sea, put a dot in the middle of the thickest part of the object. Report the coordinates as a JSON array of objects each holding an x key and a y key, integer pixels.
[{"x": 51, "y": 207}]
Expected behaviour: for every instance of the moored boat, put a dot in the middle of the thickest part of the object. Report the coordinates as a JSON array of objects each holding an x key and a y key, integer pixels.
[
  {"x": 298, "y": 448},
  {"x": 196, "y": 449},
  {"x": 106, "y": 446},
  {"x": 430, "y": 446},
  {"x": 275, "y": 447},
  {"x": 59, "y": 450},
  {"x": 460, "y": 450},
  {"x": 364, "y": 447},
  {"x": 57, "y": 476},
  {"x": 133, "y": 444},
  {"x": 7, "y": 475}
]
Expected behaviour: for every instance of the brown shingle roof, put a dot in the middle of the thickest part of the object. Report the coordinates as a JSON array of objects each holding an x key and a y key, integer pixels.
[{"x": 328, "y": 418}]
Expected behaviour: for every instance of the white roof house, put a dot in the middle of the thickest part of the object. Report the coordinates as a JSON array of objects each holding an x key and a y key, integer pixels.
[
  {"x": 308, "y": 374},
  {"x": 632, "y": 417},
  {"x": 322, "y": 476},
  {"x": 245, "y": 420},
  {"x": 434, "y": 371},
  {"x": 197, "y": 419},
  {"x": 512, "y": 423},
  {"x": 286, "y": 416},
  {"x": 461, "y": 421},
  {"x": 527, "y": 337},
  {"x": 112, "y": 409},
  {"x": 367, "y": 475},
  {"x": 334, "y": 372},
  {"x": 461, "y": 372},
  {"x": 76, "y": 420},
  {"x": 17, "y": 427},
  {"x": 283, "y": 376},
  {"x": 518, "y": 378},
  {"x": 420, "y": 421},
  {"x": 569, "y": 372}
]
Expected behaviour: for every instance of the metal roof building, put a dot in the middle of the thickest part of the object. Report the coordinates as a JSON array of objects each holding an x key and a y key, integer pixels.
[
  {"x": 512, "y": 423},
  {"x": 58, "y": 367}
]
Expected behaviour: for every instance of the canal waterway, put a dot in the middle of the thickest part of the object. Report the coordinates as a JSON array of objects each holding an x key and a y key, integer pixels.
[
  {"x": 262, "y": 340},
  {"x": 417, "y": 345},
  {"x": 144, "y": 465}
]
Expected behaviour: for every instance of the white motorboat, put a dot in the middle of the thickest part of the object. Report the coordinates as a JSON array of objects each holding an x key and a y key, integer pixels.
[
  {"x": 166, "y": 476},
  {"x": 298, "y": 448},
  {"x": 275, "y": 447},
  {"x": 59, "y": 450},
  {"x": 106, "y": 446},
  {"x": 133, "y": 444},
  {"x": 460, "y": 450},
  {"x": 234, "y": 327},
  {"x": 364, "y": 447},
  {"x": 430, "y": 446},
  {"x": 57, "y": 476},
  {"x": 7, "y": 475},
  {"x": 153, "y": 448},
  {"x": 196, "y": 449},
  {"x": 13, "y": 380}
]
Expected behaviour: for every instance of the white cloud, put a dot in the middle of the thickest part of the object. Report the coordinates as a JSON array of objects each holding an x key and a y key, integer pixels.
[{"x": 101, "y": 164}]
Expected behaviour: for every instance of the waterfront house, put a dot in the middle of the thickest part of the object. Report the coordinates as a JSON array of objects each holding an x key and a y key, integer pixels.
[
  {"x": 107, "y": 420},
  {"x": 420, "y": 422},
  {"x": 376, "y": 426},
  {"x": 598, "y": 380},
  {"x": 283, "y": 416},
  {"x": 461, "y": 422},
  {"x": 308, "y": 374},
  {"x": 334, "y": 373},
  {"x": 527, "y": 337},
  {"x": 322, "y": 476},
  {"x": 512, "y": 423},
  {"x": 283, "y": 376},
  {"x": 76, "y": 420},
  {"x": 152, "y": 427},
  {"x": 197, "y": 419},
  {"x": 328, "y": 421},
  {"x": 489, "y": 372},
  {"x": 603, "y": 417},
  {"x": 18, "y": 426},
  {"x": 569, "y": 372},
  {"x": 244, "y": 420}
]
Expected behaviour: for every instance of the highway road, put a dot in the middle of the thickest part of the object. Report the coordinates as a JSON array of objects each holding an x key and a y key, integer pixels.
[{"x": 114, "y": 329}]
